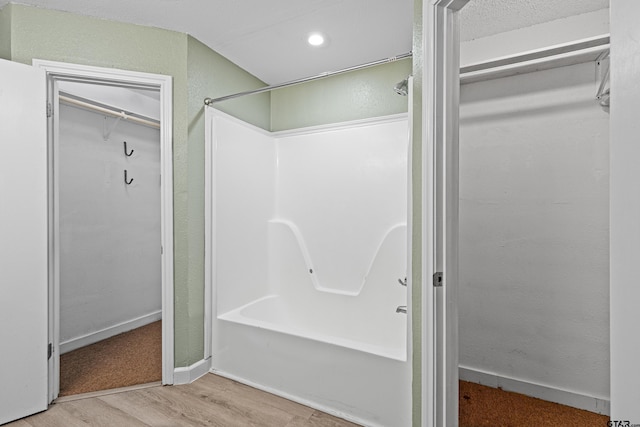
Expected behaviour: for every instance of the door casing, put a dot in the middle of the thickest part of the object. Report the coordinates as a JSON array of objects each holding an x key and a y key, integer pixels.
[
  {"x": 59, "y": 71},
  {"x": 439, "y": 317}
]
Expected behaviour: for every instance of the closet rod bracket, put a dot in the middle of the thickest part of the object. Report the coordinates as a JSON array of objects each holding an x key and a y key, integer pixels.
[
  {"x": 107, "y": 132},
  {"x": 603, "y": 93}
]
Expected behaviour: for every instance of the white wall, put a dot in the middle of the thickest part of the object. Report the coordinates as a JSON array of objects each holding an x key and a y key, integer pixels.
[
  {"x": 534, "y": 230},
  {"x": 625, "y": 211},
  {"x": 109, "y": 232}
]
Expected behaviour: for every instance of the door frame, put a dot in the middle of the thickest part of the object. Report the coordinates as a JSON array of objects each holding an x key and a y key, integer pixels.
[
  {"x": 439, "y": 317},
  {"x": 60, "y": 71}
]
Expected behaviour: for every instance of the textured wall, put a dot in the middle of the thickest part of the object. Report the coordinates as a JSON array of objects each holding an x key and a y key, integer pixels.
[
  {"x": 534, "y": 230},
  {"x": 5, "y": 32},
  {"x": 59, "y": 36},
  {"x": 209, "y": 75},
  {"x": 110, "y": 263},
  {"x": 534, "y": 37},
  {"x": 482, "y": 18},
  {"x": 350, "y": 96}
]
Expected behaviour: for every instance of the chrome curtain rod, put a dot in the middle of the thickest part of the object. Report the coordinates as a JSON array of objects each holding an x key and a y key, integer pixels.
[{"x": 209, "y": 101}]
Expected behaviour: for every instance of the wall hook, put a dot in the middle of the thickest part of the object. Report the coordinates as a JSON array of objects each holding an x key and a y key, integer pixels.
[
  {"x": 127, "y": 181},
  {"x": 125, "y": 150}
]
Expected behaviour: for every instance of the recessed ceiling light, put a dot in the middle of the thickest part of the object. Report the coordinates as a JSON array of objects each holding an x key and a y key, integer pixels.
[{"x": 316, "y": 39}]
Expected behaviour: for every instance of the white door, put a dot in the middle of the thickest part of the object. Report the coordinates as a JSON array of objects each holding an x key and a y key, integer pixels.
[{"x": 23, "y": 242}]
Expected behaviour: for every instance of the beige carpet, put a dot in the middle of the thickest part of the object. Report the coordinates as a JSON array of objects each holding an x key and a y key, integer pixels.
[{"x": 131, "y": 358}]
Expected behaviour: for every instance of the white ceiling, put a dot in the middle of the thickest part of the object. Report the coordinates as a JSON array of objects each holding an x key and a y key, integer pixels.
[
  {"x": 481, "y": 18},
  {"x": 268, "y": 38}
]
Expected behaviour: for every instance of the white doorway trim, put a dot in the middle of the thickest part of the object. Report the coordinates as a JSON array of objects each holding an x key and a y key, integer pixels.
[
  {"x": 59, "y": 71},
  {"x": 440, "y": 100}
]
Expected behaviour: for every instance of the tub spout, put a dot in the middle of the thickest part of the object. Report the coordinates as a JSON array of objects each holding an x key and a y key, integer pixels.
[{"x": 401, "y": 309}]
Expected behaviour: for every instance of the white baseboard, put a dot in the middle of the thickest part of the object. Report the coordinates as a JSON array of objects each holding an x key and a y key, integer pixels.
[
  {"x": 564, "y": 397},
  {"x": 191, "y": 373},
  {"x": 94, "y": 337}
]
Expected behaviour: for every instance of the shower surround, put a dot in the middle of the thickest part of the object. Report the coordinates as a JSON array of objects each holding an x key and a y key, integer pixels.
[{"x": 308, "y": 263}]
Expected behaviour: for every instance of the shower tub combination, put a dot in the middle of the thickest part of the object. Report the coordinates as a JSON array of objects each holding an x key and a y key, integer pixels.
[{"x": 308, "y": 263}]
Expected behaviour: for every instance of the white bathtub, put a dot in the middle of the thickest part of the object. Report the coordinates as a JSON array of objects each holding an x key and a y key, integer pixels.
[
  {"x": 309, "y": 241},
  {"x": 357, "y": 385},
  {"x": 344, "y": 354}
]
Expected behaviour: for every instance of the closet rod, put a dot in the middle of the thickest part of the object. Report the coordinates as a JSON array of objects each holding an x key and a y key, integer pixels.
[
  {"x": 114, "y": 113},
  {"x": 584, "y": 50}
]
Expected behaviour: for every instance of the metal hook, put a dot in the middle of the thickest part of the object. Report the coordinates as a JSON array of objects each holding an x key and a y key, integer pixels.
[
  {"x": 125, "y": 150},
  {"x": 126, "y": 181}
]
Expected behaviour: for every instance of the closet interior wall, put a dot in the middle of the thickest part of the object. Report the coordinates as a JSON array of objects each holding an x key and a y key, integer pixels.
[
  {"x": 534, "y": 229},
  {"x": 110, "y": 264}
]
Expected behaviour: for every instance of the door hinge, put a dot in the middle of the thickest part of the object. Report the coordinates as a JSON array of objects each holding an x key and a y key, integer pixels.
[
  {"x": 49, "y": 110},
  {"x": 437, "y": 279},
  {"x": 49, "y": 351}
]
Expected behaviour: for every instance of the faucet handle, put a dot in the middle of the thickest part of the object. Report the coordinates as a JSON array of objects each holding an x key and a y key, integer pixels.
[{"x": 403, "y": 282}]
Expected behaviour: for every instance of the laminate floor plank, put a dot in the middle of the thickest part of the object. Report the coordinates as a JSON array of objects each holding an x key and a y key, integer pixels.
[
  {"x": 320, "y": 419},
  {"x": 247, "y": 395},
  {"x": 55, "y": 416},
  {"x": 235, "y": 410},
  {"x": 147, "y": 409},
  {"x": 211, "y": 401},
  {"x": 20, "y": 423},
  {"x": 96, "y": 413},
  {"x": 186, "y": 407}
]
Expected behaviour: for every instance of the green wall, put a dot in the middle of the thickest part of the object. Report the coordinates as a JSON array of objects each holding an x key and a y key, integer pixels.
[
  {"x": 212, "y": 75},
  {"x": 60, "y": 36},
  {"x": 350, "y": 96},
  {"x": 5, "y": 32},
  {"x": 208, "y": 75}
]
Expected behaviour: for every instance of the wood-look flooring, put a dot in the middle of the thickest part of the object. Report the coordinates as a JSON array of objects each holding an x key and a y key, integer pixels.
[{"x": 210, "y": 401}]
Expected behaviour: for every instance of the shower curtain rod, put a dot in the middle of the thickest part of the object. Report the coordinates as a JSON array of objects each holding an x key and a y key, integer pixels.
[
  {"x": 209, "y": 101},
  {"x": 563, "y": 52},
  {"x": 86, "y": 103}
]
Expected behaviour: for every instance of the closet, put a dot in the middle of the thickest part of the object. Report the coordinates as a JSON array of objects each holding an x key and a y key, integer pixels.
[
  {"x": 534, "y": 234},
  {"x": 109, "y": 222}
]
